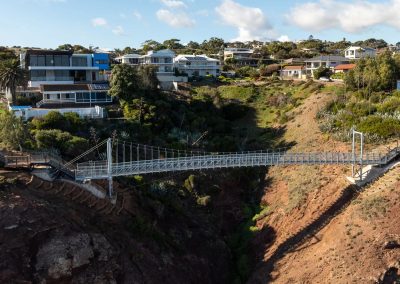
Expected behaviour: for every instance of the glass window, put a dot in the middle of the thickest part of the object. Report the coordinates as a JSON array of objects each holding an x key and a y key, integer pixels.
[
  {"x": 79, "y": 61},
  {"x": 41, "y": 60},
  {"x": 65, "y": 60},
  {"x": 49, "y": 60},
  {"x": 33, "y": 60},
  {"x": 57, "y": 60},
  {"x": 62, "y": 75},
  {"x": 38, "y": 75}
]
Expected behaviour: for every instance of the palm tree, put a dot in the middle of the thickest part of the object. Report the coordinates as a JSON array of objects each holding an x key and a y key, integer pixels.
[{"x": 11, "y": 77}]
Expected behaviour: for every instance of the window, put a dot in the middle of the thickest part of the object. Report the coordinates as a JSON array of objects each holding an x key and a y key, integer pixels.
[
  {"x": 79, "y": 61},
  {"x": 168, "y": 60},
  {"x": 61, "y": 60},
  {"x": 101, "y": 62},
  {"x": 38, "y": 75},
  {"x": 49, "y": 60},
  {"x": 41, "y": 60},
  {"x": 33, "y": 60},
  {"x": 62, "y": 75},
  {"x": 155, "y": 60}
]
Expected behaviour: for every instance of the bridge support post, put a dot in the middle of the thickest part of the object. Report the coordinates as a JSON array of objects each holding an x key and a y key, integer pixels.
[
  {"x": 353, "y": 149},
  {"x": 109, "y": 167}
]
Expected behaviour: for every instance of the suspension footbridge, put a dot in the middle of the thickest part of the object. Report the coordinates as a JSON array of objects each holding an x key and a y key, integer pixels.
[{"x": 122, "y": 158}]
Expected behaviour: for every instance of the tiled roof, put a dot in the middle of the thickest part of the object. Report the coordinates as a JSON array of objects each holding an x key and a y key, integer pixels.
[
  {"x": 293, "y": 67},
  {"x": 345, "y": 67}
]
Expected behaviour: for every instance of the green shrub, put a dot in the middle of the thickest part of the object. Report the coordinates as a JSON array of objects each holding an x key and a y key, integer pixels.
[
  {"x": 54, "y": 120},
  {"x": 383, "y": 127},
  {"x": 60, "y": 140},
  {"x": 390, "y": 105}
]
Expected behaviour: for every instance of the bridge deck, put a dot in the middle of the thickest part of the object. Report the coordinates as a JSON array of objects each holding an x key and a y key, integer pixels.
[{"x": 99, "y": 169}]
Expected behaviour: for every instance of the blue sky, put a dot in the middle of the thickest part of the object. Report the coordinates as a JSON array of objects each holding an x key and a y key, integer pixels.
[{"x": 120, "y": 23}]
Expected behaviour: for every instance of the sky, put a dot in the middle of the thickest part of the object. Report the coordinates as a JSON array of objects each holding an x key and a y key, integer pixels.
[{"x": 113, "y": 24}]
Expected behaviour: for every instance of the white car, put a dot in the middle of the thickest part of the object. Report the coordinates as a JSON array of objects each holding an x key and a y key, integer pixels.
[{"x": 324, "y": 79}]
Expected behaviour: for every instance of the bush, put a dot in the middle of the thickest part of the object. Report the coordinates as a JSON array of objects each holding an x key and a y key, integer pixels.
[
  {"x": 62, "y": 141},
  {"x": 390, "y": 105},
  {"x": 70, "y": 121},
  {"x": 383, "y": 127},
  {"x": 321, "y": 72}
]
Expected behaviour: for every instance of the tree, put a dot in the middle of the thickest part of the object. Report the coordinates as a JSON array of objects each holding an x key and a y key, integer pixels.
[
  {"x": 173, "y": 44},
  {"x": 213, "y": 46},
  {"x": 12, "y": 76},
  {"x": 148, "y": 80},
  {"x": 321, "y": 72},
  {"x": 66, "y": 46},
  {"x": 128, "y": 83},
  {"x": 124, "y": 83},
  {"x": 150, "y": 45},
  {"x": 193, "y": 45},
  {"x": 13, "y": 133}
]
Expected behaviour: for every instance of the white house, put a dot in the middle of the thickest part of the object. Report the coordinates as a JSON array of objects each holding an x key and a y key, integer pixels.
[
  {"x": 163, "y": 59},
  {"x": 357, "y": 52},
  {"x": 131, "y": 59},
  {"x": 197, "y": 65},
  {"x": 293, "y": 72},
  {"x": 325, "y": 61}
]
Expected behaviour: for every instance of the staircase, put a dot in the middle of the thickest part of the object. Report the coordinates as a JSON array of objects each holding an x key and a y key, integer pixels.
[{"x": 77, "y": 194}]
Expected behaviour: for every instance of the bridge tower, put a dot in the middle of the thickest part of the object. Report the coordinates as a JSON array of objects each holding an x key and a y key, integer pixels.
[
  {"x": 354, "y": 171},
  {"x": 109, "y": 167}
]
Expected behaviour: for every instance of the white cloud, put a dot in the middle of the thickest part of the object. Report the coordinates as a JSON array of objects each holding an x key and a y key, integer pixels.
[
  {"x": 174, "y": 3},
  {"x": 350, "y": 16},
  {"x": 118, "y": 30},
  {"x": 250, "y": 22},
  {"x": 175, "y": 19},
  {"x": 137, "y": 15},
  {"x": 283, "y": 38},
  {"x": 99, "y": 22}
]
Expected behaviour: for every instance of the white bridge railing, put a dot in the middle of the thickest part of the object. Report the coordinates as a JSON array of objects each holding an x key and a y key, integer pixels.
[{"x": 99, "y": 169}]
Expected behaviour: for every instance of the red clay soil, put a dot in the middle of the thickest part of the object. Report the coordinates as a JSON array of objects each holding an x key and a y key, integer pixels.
[{"x": 327, "y": 231}]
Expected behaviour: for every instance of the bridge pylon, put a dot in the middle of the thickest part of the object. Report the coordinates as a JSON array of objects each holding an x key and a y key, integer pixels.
[{"x": 354, "y": 166}]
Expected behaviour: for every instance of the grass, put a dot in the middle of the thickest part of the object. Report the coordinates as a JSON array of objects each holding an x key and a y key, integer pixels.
[{"x": 373, "y": 207}]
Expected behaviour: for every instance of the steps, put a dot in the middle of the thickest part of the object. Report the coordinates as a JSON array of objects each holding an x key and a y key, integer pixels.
[{"x": 76, "y": 194}]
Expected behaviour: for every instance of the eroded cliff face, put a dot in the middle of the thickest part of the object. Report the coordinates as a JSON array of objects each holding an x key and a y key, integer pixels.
[
  {"x": 327, "y": 231},
  {"x": 52, "y": 235}
]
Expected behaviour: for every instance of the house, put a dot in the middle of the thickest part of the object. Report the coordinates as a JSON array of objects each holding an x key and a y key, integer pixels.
[
  {"x": 241, "y": 56},
  {"x": 294, "y": 61},
  {"x": 325, "y": 61},
  {"x": 357, "y": 52},
  {"x": 64, "y": 81},
  {"x": 344, "y": 68},
  {"x": 131, "y": 59},
  {"x": 62, "y": 77},
  {"x": 197, "y": 65},
  {"x": 293, "y": 72}
]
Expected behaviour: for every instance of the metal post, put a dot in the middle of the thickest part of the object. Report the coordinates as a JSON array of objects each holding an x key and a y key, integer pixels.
[
  {"x": 109, "y": 167},
  {"x": 123, "y": 153}
]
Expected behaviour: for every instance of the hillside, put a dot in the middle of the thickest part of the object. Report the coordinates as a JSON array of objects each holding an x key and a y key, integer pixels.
[
  {"x": 295, "y": 224},
  {"x": 325, "y": 230}
]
